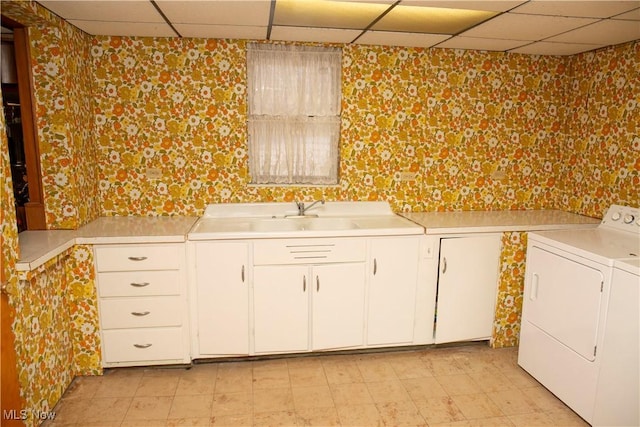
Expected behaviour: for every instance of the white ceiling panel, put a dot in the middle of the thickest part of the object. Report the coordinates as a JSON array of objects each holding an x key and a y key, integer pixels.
[
  {"x": 526, "y": 27},
  {"x": 588, "y": 9},
  {"x": 390, "y": 38},
  {"x": 319, "y": 35},
  {"x": 556, "y": 49},
  {"x": 133, "y": 29},
  {"x": 541, "y": 27},
  {"x": 477, "y": 43},
  {"x": 119, "y": 11},
  {"x": 493, "y": 6},
  {"x": 606, "y": 32},
  {"x": 229, "y": 12},
  {"x": 633, "y": 15},
  {"x": 245, "y": 32}
]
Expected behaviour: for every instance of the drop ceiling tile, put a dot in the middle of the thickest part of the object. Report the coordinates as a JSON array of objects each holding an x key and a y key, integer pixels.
[
  {"x": 121, "y": 11},
  {"x": 495, "y": 6},
  {"x": 557, "y": 49},
  {"x": 586, "y": 9},
  {"x": 526, "y": 27},
  {"x": 633, "y": 15},
  {"x": 319, "y": 35},
  {"x": 605, "y": 32},
  {"x": 248, "y": 32},
  {"x": 477, "y": 43},
  {"x": 327, "y": 14},
  {"x": 223, "y": 12},
  {"x": 430, "y": 20},
  {"x": 390, "y": 38},
  {"x": 133, "y": 29}
]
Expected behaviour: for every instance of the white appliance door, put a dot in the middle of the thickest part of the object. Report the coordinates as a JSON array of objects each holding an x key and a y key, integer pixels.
[{"x": 562, "y": 298}]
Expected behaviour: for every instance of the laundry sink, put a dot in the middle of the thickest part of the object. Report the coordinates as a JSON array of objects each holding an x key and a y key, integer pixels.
[{"x": 302, "y": 224}]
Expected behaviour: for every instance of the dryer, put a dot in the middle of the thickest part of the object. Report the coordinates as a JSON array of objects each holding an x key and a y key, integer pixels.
[{"x": 568, "y": 283}]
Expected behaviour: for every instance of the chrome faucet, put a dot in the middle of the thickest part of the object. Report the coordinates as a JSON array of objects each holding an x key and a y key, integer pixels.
[{"x": 302, "y": 209}]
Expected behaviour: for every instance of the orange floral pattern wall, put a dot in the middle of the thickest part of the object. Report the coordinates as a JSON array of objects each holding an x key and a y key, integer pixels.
[{"x": 451, "y": 117}]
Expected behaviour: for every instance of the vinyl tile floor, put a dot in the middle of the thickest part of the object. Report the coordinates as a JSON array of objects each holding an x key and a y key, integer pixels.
[{"x": 469, "y": 385}]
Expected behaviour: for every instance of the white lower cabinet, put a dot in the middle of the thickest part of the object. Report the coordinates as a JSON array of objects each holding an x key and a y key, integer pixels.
[
  {"x": 392, "y": 290},
  {"x": 298, "y": 295},
  {"x": 301, "y": 308},
  {"x": 142, "y": 298},
  {"x": 467, "y": 287},
  {"x": 220, "y": 298}
]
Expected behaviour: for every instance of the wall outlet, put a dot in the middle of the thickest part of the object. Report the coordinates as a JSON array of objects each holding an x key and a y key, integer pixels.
[
  {"x": 499, "y": 175},
  {"x": 154, "y": 173},
  {"x": 407, "y": 176}
]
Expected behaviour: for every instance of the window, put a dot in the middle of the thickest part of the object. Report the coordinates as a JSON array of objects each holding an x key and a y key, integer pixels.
[{"x": 294, "y": 113}]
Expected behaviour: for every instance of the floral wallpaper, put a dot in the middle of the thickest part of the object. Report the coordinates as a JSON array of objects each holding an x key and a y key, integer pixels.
[
  {"x": 601, "y": 151},
  {"x": 506, "y": 328},
  {"x": 43, "y": 339},
  {"x": 563, "y": 131},
  {"x": 82, "y": 297}
]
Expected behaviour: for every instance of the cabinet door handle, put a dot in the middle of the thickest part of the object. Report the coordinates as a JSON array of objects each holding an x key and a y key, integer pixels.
[
  {"x": 137, "y": 258},
  {"x": 304, "y": 283},
  {"x": 444, "y": 265},
  {"x": 317, "y": 283},
  {"x": 142, "y": 345},
  {"x": 242, "y": 273},
  {"x": 140, "y": 313},
  {"x": 139, "y": 284},
  {"x": 375, "y": 266}
]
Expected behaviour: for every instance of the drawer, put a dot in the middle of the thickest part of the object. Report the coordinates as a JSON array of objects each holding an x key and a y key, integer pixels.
[
  {"x": 144, "y": 312},
  {"x": 308, "y": 251},
  {"x": 139, "y": 257},
  {"x": 139, "y": 283},
  {"x": 133, "y": 345}
]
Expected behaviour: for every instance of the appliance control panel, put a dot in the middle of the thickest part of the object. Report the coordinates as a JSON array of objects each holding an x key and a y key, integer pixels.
[{"x": 623, "y": 218}]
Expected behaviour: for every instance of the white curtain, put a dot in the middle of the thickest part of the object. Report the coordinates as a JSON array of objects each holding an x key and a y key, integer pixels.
[{"x": 294, "y": 114}]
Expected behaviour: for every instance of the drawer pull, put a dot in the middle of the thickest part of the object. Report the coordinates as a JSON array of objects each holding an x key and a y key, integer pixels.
[
  {"x": 317, "y": 283},
  {"x": 304, "y": 283},
  {"x": 375, "y": 266},
  {"x": 142, "y": 345},
  {"x": 137, "y": 258},
  {"x": 242, "y": 274},
  {"x": 140, "y": 284},
  {"x": 140, "y": 313}
]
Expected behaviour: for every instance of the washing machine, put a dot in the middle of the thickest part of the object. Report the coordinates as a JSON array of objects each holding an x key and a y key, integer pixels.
[
  {"x": 566, "y": 305},
  {"x": 618, "y": 390}
]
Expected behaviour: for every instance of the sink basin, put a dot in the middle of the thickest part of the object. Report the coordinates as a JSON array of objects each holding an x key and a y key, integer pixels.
[
  {"x": 329, "y": 224},
  {"x": 302, "y": 224},
  {"x": 276, "y": 224}
]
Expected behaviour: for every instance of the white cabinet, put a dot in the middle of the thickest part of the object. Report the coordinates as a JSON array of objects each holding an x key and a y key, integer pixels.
[
  {"x": 281, "y": 309},
  {"x": 142, "y": 304},
  {"x": 393, "y": 264},
  {"x": 467, "y": 286},
  {"x": 304, "y": 306},
  {"x": 220, "y": 298}
]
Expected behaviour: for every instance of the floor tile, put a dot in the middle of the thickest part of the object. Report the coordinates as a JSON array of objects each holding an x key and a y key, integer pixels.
[
  {"x": 149, "y": 408},
  {"x": 400, "y": 414},
  {"x": 458, "y": 384},
  {"x": 195, "y": 406},
  {"x": 513, "y": 402},
  {"x": 238, "y": 420},
  {"x": 317, "y": 417},
  {"x": 272, "y": 400},
  {"x": 158, "y": 385},
  {"x": 423, "y": 388},
  {"x": 359, "y": 415},
  {"x": 439, "y": 410},
  {"x": 235, "y": 403},
  {"x": 106, "y": 409},
  {"x": 351, "y": 394},
  {"x": 476, "y": 406},
  {"x": 274, "y": 418},
  {"x": 342, "y": 371},
  {"x": 312, "y": 397},
  {"x": 388, "y": 391}
]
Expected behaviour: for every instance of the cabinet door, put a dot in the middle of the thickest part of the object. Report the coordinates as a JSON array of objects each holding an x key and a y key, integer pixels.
[
  {"x": 338, "y": 305},
  {"x": 392, "y": 290},
  {"x": 467, "y": 287},
  {"x": 281, "y": 308},
  {"x": 222, "y": 298}
]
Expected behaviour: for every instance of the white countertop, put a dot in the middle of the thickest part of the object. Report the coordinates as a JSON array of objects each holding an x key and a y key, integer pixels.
[
  {"x": 37, "y": 247},
  {"x": 498, "y": 221}
]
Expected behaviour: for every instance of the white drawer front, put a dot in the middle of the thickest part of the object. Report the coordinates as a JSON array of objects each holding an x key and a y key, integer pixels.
[
  {"x": 145, "y": 312},
  {"x": 139, "y": 283},
  {"x": 131, "y": 345},
  {"x": 139, "y": 257},
  {"x": 308, "y": 251}
]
